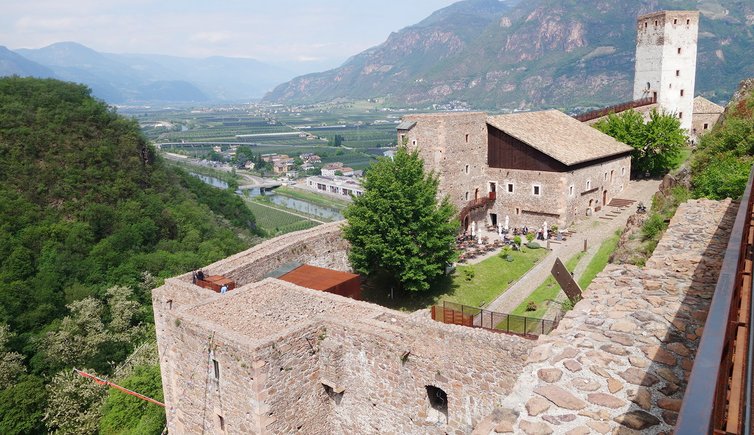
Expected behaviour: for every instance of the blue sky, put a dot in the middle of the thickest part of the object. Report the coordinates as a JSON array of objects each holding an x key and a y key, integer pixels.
[{"x": 280, "y": 31}]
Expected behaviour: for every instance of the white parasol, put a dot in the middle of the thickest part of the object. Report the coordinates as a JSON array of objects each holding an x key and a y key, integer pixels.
[
  {"x": 506, "y": 223},
  {"x": 473, "y": 229}
]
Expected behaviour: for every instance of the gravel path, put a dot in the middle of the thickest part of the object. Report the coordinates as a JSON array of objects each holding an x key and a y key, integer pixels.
[{"x": 594, "y": 229}]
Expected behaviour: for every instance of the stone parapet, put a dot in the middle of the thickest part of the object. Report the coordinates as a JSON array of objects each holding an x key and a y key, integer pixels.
[{"x": 620, "y": 360}]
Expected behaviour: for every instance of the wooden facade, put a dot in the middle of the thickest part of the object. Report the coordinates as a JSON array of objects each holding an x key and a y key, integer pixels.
[{"x": 506, "y": 152}]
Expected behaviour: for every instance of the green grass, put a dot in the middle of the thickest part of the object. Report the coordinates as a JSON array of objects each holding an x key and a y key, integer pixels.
[
  {"x": 599, "y": 261},
  {"x": 312, "y": 197},
  {"x": 547, "y": 291},
  {"x": 275, "y": 222},
  {"x": 492, "y": 277}
]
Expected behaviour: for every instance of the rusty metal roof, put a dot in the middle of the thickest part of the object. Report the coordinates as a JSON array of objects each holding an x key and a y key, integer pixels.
[{"x": 317, "y": 278}]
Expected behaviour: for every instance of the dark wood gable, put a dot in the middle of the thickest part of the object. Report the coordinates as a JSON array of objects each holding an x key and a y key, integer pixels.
[{"x": 507, "y": 152}]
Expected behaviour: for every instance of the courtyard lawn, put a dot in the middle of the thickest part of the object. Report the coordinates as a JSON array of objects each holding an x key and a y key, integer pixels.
[
  {"x": 547, "y": 291},
  {"x": 492, "y": 277}
]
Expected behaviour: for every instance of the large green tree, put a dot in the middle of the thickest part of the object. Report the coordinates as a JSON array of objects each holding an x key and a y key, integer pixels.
[
  {"x": 399, "y": 227},
  {"x": 657, "y": 143}
]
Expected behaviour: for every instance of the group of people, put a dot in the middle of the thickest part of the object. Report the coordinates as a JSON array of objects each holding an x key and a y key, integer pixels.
[{"x": 199, "y": 276}]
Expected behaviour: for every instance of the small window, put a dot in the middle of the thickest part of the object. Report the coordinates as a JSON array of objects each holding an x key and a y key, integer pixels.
[
  {"x": 679, "y": 50},
  {"x": 170, "y": 301},
  {"x": 536, "y": 190},
  {"x": 605, "y": 176},
  {"x": 588, "y": 184},
  {"x": 682, "y": 92},
  {"x": 655, "y": 22},
  {"x": 680, "y": 115},
  {"x": 216, "y": 366},
  {"x": 518, "y": 210},
  {"x": 467, "y": 196},
  {"x": 677, "y": 73},
  {"x": 510, "y": 187},
  {"x": 467, "y": 138},
  {"x": 646, "y": 24},
  {"x": 706, "y": 126},
  {"x": 466, "y": 169},
  {"x": 675, "y": 21},
  {"x": 221, "y": 420},
  {"x": 688, "y": 22},
  {"x": 570, "y": 191},
  {"x": 413, "y": 142},
  {"x": 622, "y": 171}
]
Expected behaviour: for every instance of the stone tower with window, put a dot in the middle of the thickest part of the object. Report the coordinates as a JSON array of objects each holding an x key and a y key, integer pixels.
[{"x": 666, "y": 61}]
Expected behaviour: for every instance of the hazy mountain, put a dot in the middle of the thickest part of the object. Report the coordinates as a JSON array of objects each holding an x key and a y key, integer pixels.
[
  {"x": 537, "y": 53},
  {"x": 14, "y": 64},
  {"x": 145, "y": 78}
]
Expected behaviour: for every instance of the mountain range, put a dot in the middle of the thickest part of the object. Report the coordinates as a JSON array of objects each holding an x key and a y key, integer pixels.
[
  {"x": 146, "y": 78},
  {"x": 529, "y": 54}
]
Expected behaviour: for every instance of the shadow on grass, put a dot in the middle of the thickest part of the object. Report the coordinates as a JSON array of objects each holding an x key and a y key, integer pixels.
[{"x": 378, "y": 291}]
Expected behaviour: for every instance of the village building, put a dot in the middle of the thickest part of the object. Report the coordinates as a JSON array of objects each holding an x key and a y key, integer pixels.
[
  {"x": 335, "y": 185},
  {"x": 706, "y": 115},
  {"x": 330, "y": 169},
  {"x": 530, "y": 167}
]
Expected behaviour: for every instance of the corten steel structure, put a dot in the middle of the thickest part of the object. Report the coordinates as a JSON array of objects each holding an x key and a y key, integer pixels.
[
  {"x": 718, "y": 398},
  {"x": 327, "y": 280}
]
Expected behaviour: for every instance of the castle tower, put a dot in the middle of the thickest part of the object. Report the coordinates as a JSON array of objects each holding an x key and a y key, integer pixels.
[{"x": 666, "y": 61}]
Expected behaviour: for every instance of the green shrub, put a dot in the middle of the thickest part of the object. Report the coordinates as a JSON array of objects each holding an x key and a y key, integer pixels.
[
  {"x": 468, "y": 274},
  {"x": 653, "y": 227},
  {"x": 531, "y": 306},
  {"x": 517, "y": 240},
  {"x": 533, "y": 245},
  {"x": 529, "y": 237}
]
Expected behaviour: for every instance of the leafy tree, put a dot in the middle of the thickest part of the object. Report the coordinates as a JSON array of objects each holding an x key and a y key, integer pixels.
[
  {"x": 11, "y": 363},
  {"x": 74, "y": 403},
  {"x": 656, "y": 143},
  {"x": 22, "y": 406},
  {"x": 336, "y": 141},
  {"x": 125, "y": 414},
  {"x": 398, "y": 226}
]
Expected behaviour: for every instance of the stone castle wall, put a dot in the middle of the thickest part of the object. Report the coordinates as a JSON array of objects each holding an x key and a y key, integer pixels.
[{"x": 278, "y": 348}]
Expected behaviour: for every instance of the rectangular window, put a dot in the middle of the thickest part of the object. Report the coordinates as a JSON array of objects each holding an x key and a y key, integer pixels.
[
  {"x": 467, "y": 196},
  {"x": 536, "y": 190},
  {"x": 467, "y": 138},
  {"x": 588, "y": 184},
  {"x": 688, "y": 22},
  {"x": 510, "y": 187},
  {"x": 680, "y": 115},
  {"x": 622, "y": 171},
  {"x": 221, "y": 420},
  {"x": 466, "y": 169},
  {"x": 675, "y": 21},
  {"x": 677, "y": 73},
  {"x": 518, "y": 210},
  {"x": 570, "y": 191},
  {"x": 706, "y": 126},
  {"x": 216, "y": 366},
  {"x": 679, "y": 50},
  {"x": 681, "y": 92}
]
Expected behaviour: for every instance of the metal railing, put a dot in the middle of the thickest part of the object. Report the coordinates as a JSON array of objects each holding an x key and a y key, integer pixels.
[
  {"x": 599, "y": 113},
  {"x": 718, "y": 397},
  {"x": 458, "y": 314}
]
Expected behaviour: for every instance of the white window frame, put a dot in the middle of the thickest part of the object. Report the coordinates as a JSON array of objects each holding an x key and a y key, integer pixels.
[
  {"x": 536, "y": 189},
  {"x": 510, "y": 188},
  {"x": 588, "y": 184},
  {"x": 570, "y": 190}
]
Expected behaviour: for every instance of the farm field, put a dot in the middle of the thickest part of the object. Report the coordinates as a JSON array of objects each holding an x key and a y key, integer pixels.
[{"x": 275, "y": 222}]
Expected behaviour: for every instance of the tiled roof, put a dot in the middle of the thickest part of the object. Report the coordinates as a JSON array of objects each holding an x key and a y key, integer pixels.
[
  {"x": 703, "y": 105},
  {"x": 559, "y": 136},
  {"x": 406, "y": 125}
]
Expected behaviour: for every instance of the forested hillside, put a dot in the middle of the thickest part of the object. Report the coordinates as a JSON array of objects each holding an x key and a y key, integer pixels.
[{"x": 90, "y": 220}]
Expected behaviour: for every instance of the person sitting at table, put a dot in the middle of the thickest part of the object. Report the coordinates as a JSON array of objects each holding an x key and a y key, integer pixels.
[
  {"x": 223, "y": 289},
  {"x": 200, "y": 275}
]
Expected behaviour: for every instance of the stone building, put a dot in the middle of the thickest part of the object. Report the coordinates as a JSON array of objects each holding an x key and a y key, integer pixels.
[
  {"x": 706, "y": 115},
  {"x": 532, "y": 167},
  {"x": 666, "y": 61},
  {"x": 274, "y": 357}
]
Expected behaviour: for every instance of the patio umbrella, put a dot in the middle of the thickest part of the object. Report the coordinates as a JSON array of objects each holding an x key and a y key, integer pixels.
[
  {"x": 473, "y": 229},
  {"x": 544, "y": 230},
  {"x": 499, "y": 228},
  {"x": 506, "y": 223}
]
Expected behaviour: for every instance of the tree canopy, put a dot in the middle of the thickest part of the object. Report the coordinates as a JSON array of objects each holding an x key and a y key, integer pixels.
[
  {"x": 398, "y": 226},
  {"x": 657, "y": 143},
  {"x": 86, "y": 208}
]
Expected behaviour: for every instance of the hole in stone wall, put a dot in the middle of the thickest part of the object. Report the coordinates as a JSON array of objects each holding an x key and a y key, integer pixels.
[
  {"x": 336, "y": 397},
  {"x": 438, "y": 404}
]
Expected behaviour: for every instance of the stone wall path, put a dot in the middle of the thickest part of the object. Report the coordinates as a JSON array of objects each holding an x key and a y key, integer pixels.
[
  {"x": 620, "y": 360},
  {"x": 595, "y": 230}
]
